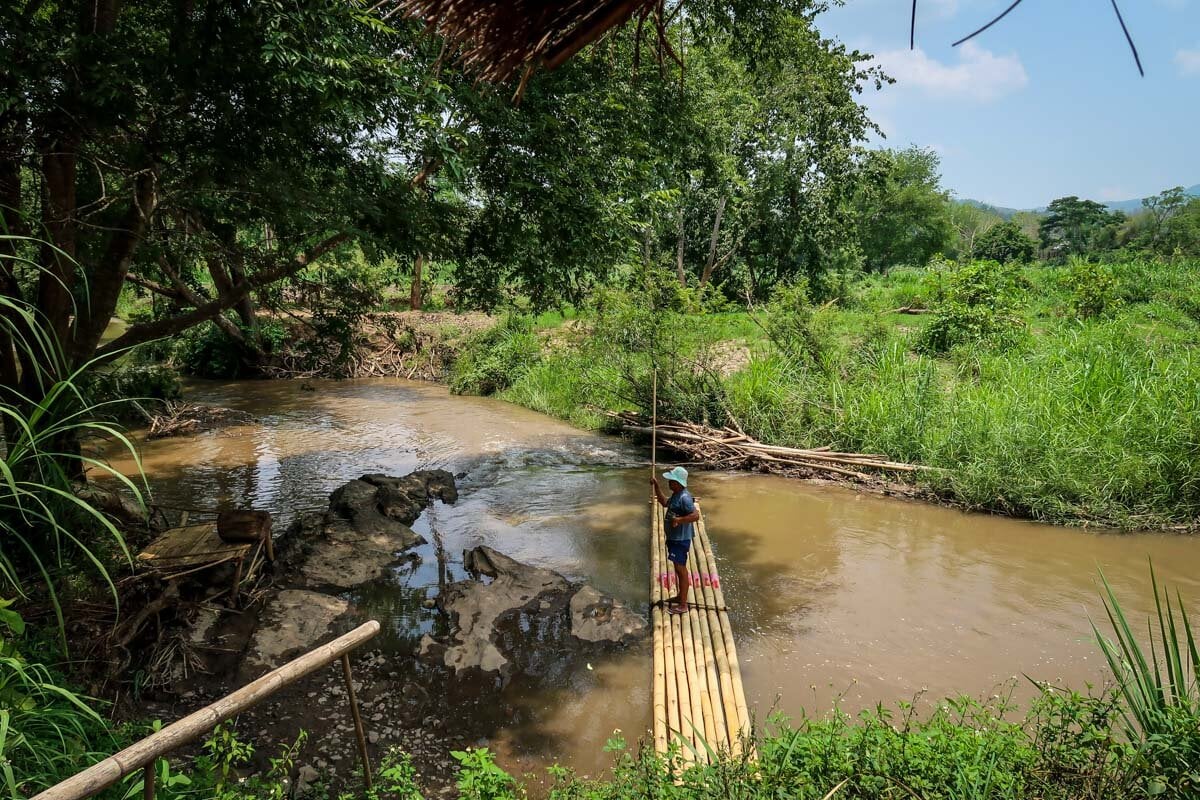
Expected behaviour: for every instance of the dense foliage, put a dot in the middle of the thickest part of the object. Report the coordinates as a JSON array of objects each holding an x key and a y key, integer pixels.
[{"x": 1062, "y": 395}]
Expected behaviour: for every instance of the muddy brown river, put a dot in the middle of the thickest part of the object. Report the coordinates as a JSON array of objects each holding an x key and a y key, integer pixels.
[{"x": 832, "y": 593}]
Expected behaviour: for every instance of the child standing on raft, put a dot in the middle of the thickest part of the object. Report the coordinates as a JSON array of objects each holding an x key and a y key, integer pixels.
[{"x": 678, "y": 524}]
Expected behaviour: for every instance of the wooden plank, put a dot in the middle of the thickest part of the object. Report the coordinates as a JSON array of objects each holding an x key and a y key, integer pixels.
[{"x": 190, "y": 546}]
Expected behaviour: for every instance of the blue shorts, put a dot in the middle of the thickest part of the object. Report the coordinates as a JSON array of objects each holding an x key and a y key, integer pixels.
[{"x": 677, "y": 551}]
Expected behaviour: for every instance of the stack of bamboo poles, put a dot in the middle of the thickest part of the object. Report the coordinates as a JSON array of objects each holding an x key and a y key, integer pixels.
[
  {"x": 698, "y": 696},
  {"x": 727, "y": 448}
]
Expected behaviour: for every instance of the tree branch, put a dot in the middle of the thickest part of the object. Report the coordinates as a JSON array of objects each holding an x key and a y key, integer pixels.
[{"x": 148, "y": 331}]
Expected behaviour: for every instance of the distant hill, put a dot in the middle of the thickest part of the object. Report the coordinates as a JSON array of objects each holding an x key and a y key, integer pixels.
[{"x": 1128, "y": 206}]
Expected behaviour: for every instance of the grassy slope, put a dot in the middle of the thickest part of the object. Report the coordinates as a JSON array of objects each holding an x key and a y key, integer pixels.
[{"x": 1085, "y": 421}]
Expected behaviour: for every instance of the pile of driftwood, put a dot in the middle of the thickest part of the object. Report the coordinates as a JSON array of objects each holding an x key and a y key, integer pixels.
[
  {"x": 728, "y": 448},
  {"x": 179, "y": 418}
]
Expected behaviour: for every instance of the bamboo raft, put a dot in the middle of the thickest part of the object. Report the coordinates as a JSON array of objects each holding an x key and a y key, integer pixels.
[{"x": 699, "y": 701}]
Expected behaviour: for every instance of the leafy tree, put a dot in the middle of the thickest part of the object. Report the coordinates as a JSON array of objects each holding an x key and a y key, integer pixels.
[
  {"x": 730, "y": 170},
  {"x": 970, "y": 222},
  {"x": 1006, "y": 243},
  {"x": 1077, "y": 227},
  {"x": 902, "y": 211},
  {"x": 1183, "y": 231},
  {"x": 1169, "y": 224},
  {"x": 201, "y": 151}
]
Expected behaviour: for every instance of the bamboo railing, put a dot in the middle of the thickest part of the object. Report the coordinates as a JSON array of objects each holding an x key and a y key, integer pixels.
[{"x": 145, "y": 753}]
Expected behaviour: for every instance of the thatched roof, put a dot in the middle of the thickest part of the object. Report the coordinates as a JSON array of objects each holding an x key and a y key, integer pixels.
[{"x": 498, "y": 39}]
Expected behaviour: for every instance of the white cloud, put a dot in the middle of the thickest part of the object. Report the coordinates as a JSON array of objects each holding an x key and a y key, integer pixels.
[
  {"x": 941, "y": 8},
  {"x": 979, "y": 74},
  {"x": 1188, "y": 61}
]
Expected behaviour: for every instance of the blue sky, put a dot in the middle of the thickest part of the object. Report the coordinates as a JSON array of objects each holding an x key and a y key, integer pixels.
[{"x": 1047, "y": 102}]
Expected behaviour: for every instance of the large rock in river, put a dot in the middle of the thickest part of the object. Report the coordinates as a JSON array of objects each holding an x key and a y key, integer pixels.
[
  {"x": 526, "y": 619},
  {"x": 366, "y": 527}
]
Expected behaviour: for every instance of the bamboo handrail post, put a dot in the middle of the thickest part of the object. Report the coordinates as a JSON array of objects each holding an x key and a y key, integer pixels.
[
  {"x": 359, "y": 734},
  {"x": 148, "y": 781}
]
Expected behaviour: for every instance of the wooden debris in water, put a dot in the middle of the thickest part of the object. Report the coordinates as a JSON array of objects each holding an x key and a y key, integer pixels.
[
  {"x": 727, "y": 448},
  {"x": 185, "y": 419}
]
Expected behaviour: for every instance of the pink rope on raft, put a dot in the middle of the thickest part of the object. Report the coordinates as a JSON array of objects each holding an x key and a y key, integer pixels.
[{"x": 706, "y": 579}]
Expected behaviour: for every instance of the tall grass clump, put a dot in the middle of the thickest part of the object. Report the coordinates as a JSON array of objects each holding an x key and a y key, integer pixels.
[
  {"x": 44, "y": 526},
  {"x": 46, "y": 730},
  {"x": 493, "y": 359},
  {"x": 1161, "y": 690}
]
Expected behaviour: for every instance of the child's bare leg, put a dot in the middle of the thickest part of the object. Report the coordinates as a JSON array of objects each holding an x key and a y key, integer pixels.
[{"x": 685, "y": 583}]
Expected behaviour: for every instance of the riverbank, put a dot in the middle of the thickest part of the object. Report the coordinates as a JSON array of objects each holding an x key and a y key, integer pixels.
[
  {"x": 1059, "y": 394},
  {"x": 1027, "y": 394}
]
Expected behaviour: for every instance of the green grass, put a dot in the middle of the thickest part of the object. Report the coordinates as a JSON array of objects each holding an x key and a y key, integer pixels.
[{"x": 1091, "y": 420}]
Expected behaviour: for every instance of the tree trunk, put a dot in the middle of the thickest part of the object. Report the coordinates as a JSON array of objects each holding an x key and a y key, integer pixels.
[
  {"x": 414, "y": 295},
  {"x": 712, "y": 243},
  {"x": 57, "y": 281},
  {"x": 109, "y": 277},
  {"x": 679, "y": 271}
]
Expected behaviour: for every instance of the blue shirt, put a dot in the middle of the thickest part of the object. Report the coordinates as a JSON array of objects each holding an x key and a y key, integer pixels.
[{"x": 680, "y": 505}]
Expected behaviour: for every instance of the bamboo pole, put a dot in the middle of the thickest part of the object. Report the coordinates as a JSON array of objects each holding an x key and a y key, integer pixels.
[
  {"x": 105, "y": 773},
  {"x": 700, "y": 647},
  {"x": 724, "y": 674},
  {"x": 671, "y": 676},
  {"x": 695, "y": 727},
  {"x": 659, "y": 704},
  {"x": 359, "y": 733},
  {"x": 148, "y": 778},
  {"x": 677, "y": 670},
  {"x": 735, "y": 671},
  {"x": 715, "y": 689}
]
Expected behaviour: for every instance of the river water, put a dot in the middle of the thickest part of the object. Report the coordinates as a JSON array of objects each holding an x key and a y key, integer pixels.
[{"x": 832, "y": 593}]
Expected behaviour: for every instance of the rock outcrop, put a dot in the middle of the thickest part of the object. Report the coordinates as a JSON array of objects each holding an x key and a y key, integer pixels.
[
  {"x": 525, "y": 619},
  {"x": 294, "y": 621},
  {"x": 365, "y": 528}
]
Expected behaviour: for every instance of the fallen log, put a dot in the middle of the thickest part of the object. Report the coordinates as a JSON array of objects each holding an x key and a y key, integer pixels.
[{"x": 726, "y": 448}]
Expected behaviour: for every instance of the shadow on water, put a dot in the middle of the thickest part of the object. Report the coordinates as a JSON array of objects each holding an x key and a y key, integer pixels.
[{"x": 830, "y": 591}]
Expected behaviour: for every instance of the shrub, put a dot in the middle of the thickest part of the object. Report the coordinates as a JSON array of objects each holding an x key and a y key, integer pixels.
[
  {"x": 46, "y": 730},
  {"x": 44, "y": 524},
  {"x": 973, "y": 303},
  {"x": 126, "y": 385},
  {"x": 790, "y": 325},
  {"x": 208, "y": 352},
  {"x": 492, "y": 360},
  {"x": 1094, "y": 290},
  {"x": 1006, "y": 243}
]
